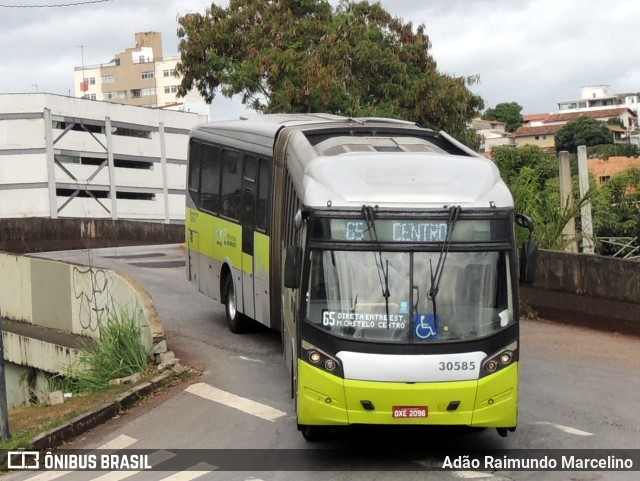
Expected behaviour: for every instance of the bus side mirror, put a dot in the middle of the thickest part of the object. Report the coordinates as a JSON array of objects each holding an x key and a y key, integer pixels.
[
  {"x": 528, "y": 261},
  {"x": 525, "y": 221},
  {"x": 292, "y": 267}
]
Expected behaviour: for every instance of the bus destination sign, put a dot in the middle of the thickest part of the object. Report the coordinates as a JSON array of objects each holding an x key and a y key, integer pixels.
[{"x": 408, "y": 231}]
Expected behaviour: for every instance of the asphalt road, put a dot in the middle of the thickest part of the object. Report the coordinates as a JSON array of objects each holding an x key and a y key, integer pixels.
[{"x": 579, "y": 390}]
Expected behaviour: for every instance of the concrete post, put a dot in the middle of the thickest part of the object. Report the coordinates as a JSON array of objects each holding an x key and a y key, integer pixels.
[
  {"x": 585, "y": 210},
  {"x": 4, "y": 411},
  {"x": 112, "y": 169},
  {"x": 51, "y": 168},
  {"x": 566, "y": 200},
  {"x": 165, "y": 178}
]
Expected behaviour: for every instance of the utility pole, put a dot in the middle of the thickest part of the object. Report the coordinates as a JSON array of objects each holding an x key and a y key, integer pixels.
[{"x": 82, "y": 85}]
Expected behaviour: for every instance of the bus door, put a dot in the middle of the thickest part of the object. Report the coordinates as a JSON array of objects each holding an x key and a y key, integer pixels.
[
  {"x": 250, "y": 166},
  {"x": 192, "y": 224}
]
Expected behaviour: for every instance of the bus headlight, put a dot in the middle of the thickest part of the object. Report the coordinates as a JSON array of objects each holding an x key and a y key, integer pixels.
[
  {"x": 491, "y": 366},
  {"x": 315, "y": 357},
  {"x": 321, "y": 359},
  {"x": 499, "y": 360},
  {"x": 505, "y": 358}
]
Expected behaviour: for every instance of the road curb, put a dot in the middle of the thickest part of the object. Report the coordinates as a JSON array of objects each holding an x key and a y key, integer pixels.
[{"x": 84, "y": 422}]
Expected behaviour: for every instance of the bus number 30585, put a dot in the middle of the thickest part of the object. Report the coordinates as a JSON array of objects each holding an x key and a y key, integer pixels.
[{"x": 457, "y": 366}]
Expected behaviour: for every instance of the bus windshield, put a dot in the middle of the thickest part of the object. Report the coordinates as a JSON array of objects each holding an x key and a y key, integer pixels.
[{"x": 346, "y": 295}]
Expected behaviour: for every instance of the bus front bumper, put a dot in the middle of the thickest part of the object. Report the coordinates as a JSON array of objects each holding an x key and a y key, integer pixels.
[{"x": 325, "y": 399}]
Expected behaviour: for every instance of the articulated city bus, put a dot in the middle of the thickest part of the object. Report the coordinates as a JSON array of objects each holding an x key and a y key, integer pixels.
[{"x": 385, "y": 253}]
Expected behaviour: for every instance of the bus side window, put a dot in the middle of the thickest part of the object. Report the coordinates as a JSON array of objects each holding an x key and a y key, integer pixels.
[
  {"x": 194, "y": 170},
  {"x": 231, "y": 184},
  {"x": 262, "y": 208},
  {"x": 210, "y": 182}
]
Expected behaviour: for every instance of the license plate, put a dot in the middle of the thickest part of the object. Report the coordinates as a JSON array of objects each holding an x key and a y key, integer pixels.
[{"x": 410, "y": 412}]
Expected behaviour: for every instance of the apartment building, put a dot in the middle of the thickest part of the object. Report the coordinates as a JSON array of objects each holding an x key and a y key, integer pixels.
[
  {"x": 69, "y": 157},
  {"x": 139, "y": 76},
  {"x": 595, "y": 97}
]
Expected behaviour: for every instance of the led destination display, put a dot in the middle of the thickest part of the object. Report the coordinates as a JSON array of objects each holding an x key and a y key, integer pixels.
[{"x": 414, "y": 231}]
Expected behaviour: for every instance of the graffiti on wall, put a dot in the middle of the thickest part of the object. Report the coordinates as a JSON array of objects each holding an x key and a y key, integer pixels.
[{"x": 91, "y": 289}]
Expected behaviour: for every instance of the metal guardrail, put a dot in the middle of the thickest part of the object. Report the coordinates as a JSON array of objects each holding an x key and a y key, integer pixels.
[{"x": 629, "y": 247}]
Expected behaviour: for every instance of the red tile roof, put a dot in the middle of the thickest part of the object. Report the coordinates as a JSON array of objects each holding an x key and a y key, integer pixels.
[
  {"x": 538, "y": 130},
  {"x": 534, "y": 117},
  {"x": 596, "y": 114}
]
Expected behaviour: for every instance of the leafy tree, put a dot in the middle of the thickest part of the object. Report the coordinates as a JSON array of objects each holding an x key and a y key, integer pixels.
[
  {"x": 511, "y": 161},
  {"x": 616, "y": 209},
  {"x": 533, "y": 177},
  {"x": 306, "y": 56},
  {"x": 507, "y": 112},
  {"x": 613, "y": 150},
  {"x": 583, "y": 130}
]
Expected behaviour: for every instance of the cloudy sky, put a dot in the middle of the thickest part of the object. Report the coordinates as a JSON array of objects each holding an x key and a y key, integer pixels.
[{"x": 534, "y": 52}]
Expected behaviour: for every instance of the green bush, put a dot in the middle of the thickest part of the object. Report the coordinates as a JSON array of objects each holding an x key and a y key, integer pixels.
[{"x": 118, "y": 353}]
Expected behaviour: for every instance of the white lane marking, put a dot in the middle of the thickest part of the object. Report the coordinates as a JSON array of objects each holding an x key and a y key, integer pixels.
[
  {"x": 250, "y": 359},
  {"x": 48, "y": 476},
  {"x": 156, "y": 457},
  {"x": 193, "y": 472},
  {"x": 115, "y": 475},
  {"x": 119, "y": 442},
  {"x": 472, "y": 475},
  {"x": 241, "y": 404},
  {"x": 566, "y": 429}
]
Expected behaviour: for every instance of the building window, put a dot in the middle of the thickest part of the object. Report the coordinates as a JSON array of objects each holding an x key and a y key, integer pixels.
[
  {"x": 89, "y": 96},
  {"x": 148, "y": 91},
  {"x": 604, "y": 178},
  {"x": 121, "y": 95},
  {"x": 136, "y": 94},
  {"x": 170, "y": 89},
  {"x": 77, "y": 126},
  {"x": 96, "y": 194},
  {"x": 131, "y": 132},
  {"x": 148, "y": 74},
  {"x": 108, "y": 79},
  {"x": 169, "y": 73},
  {"x": 134, "y": 195}
]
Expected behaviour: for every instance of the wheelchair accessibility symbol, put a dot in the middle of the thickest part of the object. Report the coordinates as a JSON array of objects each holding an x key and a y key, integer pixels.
[{"x": 425, "y": 327}]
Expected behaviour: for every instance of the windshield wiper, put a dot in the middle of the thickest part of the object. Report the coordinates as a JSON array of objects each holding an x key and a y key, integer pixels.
[
  {"x": 383, "y": 271},
  {"x": 436, "y": 276}
]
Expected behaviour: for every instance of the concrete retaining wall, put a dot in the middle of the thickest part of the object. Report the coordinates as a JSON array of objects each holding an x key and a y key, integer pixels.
[
  {"x": 48, "y": 306},
  {"x": 71, "y": 298},
  {"x": 591, "y": 290},
  {"x": 39, "y": 234}
]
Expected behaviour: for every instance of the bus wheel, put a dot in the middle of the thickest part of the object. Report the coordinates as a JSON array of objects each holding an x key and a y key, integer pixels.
[
  {"x": 313, "y": 433},
  {"x": 236, "y": 321}
]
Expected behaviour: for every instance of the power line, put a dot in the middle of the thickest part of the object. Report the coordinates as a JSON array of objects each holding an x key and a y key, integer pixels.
[{"x": 57, "y": 5}]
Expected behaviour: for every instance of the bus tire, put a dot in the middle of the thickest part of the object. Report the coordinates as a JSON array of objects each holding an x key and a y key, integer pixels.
[
  {"x": 235, "y": 320},
  {"x": 313, "y": 434}
]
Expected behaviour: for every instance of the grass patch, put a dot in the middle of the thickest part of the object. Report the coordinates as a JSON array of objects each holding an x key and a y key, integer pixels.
[
  {"x": 25, "y": 422},
  {"x": 118, "y": 353}
]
